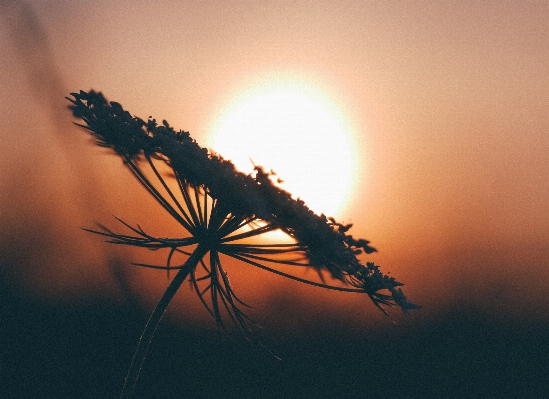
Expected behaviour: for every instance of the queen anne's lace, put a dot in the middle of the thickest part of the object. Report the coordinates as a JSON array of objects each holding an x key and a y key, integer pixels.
[
  {"x": 236, "y": 200},
  {"x": 223, "y": 209}
]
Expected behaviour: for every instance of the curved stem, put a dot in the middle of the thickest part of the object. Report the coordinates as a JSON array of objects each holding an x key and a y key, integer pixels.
[
  {"x": 154, "y": 320},
  {"x": 302, "y": 280}
]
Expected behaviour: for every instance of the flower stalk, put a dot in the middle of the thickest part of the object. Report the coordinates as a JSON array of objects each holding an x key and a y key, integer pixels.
[{"x": 154, "y": 320}]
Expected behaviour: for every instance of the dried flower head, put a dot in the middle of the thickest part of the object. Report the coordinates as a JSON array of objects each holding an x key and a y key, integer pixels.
[{"x": 223, "y": 210}]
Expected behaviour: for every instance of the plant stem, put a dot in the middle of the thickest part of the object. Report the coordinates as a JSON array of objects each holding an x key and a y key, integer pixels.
[{"x": 154, "y": 320}]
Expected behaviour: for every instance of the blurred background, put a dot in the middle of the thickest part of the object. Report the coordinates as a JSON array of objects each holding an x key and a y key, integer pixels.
[{"x": 448, "y": 102}]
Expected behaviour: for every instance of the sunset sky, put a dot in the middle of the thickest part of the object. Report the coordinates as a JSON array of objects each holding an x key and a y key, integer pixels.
[
  {"x": 428, "y": 128},
  {"x": 447, "y": 104}
]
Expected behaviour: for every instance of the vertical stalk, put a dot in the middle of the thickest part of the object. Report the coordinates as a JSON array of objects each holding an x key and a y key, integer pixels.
[{"x": 154, "y": 320}]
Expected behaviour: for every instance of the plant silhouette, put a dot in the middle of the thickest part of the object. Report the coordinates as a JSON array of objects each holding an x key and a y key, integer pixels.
[{"x": 224, "y": 212}]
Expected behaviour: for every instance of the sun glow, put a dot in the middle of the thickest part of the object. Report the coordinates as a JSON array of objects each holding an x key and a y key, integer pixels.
[{"x": 296, "y": 130}]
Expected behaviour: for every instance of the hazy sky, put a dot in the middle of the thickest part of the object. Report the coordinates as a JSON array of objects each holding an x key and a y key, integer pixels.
[{"x": 449, "y": 101}]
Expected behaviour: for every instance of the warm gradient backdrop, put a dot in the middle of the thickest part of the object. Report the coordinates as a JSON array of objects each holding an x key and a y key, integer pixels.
[{"x": 449, "y": 102}]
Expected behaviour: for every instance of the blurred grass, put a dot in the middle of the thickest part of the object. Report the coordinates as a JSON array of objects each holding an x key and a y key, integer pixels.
[{"x": 82, "y": 350}]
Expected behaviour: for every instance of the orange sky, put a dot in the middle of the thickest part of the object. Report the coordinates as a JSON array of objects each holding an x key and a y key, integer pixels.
[{"x": 450, "y": 102}]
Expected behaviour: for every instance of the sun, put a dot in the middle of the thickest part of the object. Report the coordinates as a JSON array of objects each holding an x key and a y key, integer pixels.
[{"x": 296, "y": 130}]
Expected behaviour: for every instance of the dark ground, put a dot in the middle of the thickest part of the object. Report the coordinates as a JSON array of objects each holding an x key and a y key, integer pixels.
[{"x": 83, "y": 351}]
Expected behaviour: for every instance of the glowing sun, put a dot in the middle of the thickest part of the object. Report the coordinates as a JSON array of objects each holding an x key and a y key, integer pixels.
[{"x": 298, "y": 131}]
